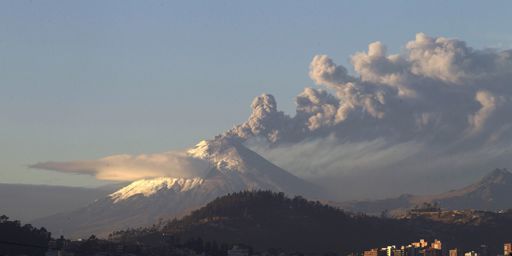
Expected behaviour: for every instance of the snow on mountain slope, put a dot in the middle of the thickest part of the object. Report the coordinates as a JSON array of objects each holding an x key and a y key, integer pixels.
[
  {"x": 148, "y": 187},
  {"x": 233, "y": 167}
]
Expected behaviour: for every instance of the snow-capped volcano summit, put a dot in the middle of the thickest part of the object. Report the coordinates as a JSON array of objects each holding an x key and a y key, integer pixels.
[
  {"x": 232, "y": 167},
  {"x": 222, "y": 153}
]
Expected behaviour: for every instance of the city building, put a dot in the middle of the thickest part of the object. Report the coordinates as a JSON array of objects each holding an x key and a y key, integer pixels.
[
  {"x": 454, "y": 252},
  {"x": 372, "y": 252},
  {"x": 398, "y": 252},
  {"x": 507, "y": 249},
  {"x": 436, "y": 245},
  {"x": 429, "y": 251},
  {"x": 410, "y": 250},
  {"x": 421, "y": 244},
  {"x": 390, "y": 249},
  {"x": 471, "y": 253}
]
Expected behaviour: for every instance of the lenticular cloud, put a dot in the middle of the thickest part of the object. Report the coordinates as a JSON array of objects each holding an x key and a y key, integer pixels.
[{"x": 133, "y": 167}]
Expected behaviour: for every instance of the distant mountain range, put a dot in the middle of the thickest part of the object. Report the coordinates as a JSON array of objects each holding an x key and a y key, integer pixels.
[
  {"x": 144, "y": 202},
  {"x": 492, "y": 192},
  {"x": 268, "y": 220},
  {"x": 27, "y": 202}
]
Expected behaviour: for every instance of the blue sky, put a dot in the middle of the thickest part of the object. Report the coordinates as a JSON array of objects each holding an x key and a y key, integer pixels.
[{"x": 83, "y": 80}]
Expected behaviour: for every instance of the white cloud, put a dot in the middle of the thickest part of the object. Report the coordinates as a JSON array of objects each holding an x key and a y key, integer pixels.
[{"x": 128, "y": 167}]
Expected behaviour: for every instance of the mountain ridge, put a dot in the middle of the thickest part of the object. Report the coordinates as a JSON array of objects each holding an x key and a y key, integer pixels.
[{"x": 489, "y": 193}]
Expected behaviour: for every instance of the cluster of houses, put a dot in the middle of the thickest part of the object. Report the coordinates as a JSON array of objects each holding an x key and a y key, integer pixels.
[{"x": 435, "y": 248}]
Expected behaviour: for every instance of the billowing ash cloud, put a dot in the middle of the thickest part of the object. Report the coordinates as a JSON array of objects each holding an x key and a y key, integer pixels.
[
  {"x": 417, "y": 119},
  {"x": 438, "y": 89},
  {"x": 129, "y": 167}
]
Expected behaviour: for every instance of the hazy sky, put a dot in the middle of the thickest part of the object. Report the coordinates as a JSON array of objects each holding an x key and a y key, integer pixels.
[{"x": 82, "y": 80}]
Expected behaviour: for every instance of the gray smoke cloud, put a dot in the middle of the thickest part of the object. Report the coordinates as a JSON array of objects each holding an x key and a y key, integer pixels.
[
  {"x": 383, "y": 168},
  {"x": 438, "y": 89},
  {"x": 439, "y": 108}
]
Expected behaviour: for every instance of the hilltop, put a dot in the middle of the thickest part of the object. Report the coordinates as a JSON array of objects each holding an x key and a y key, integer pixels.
[{"x": 268, "y": 220}]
